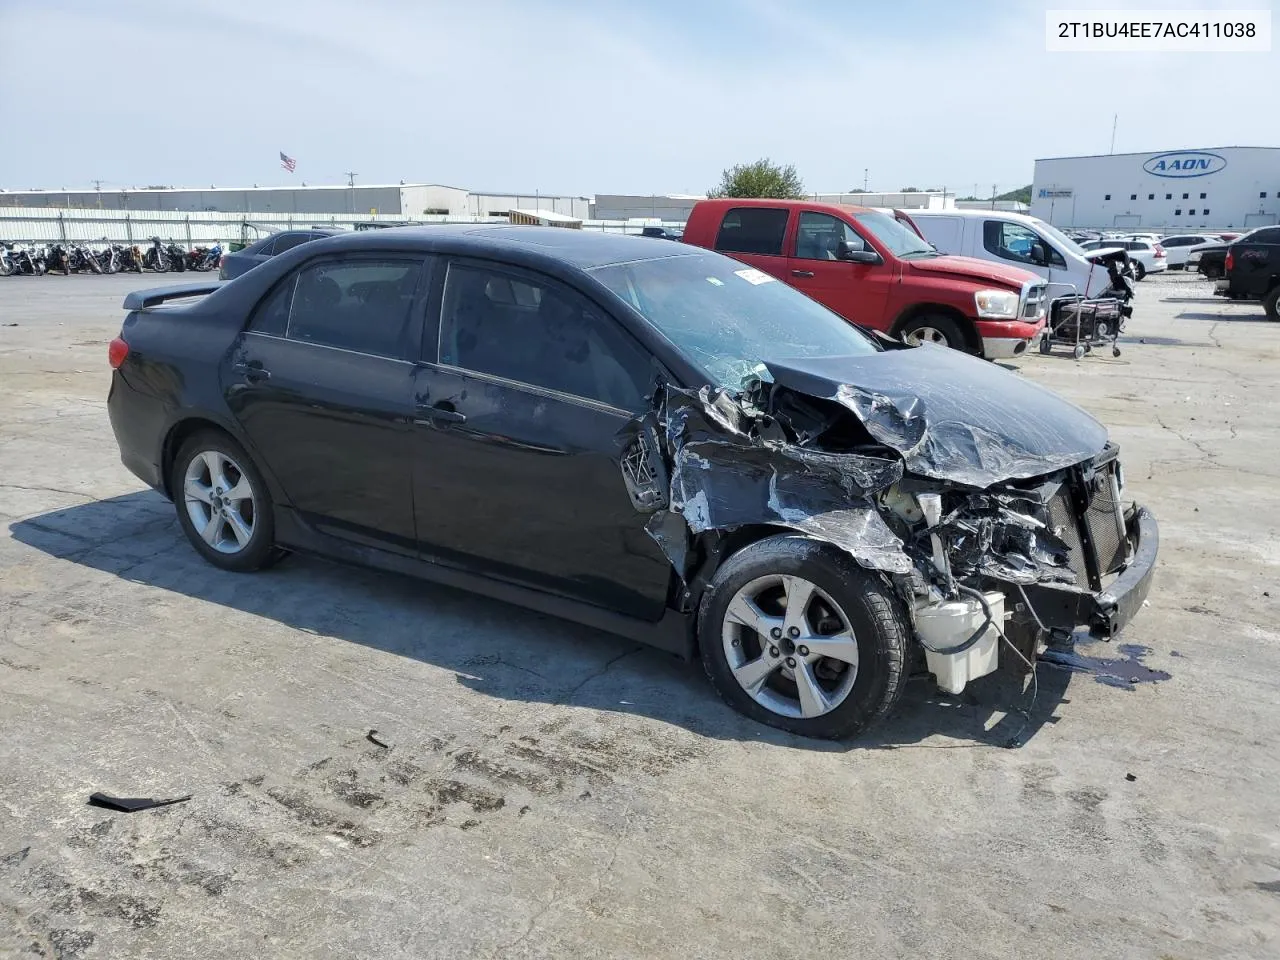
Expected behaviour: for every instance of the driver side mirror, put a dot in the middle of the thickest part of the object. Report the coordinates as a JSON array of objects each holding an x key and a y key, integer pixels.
[
  {"x": 1038, "y": 254},
  {"x": 847, "y": 251}
]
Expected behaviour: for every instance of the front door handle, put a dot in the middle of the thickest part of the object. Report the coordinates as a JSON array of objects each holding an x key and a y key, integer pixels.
[
  {"x": 253, "y": 372},
  {"x": 442, "y": 412},
  {"x": 802, "y": 273}
]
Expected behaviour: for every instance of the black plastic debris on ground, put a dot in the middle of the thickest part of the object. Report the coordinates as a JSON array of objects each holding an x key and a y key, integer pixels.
[
  {"x": 132, "y": 804},
  {"x": 1123, "y": 672}
]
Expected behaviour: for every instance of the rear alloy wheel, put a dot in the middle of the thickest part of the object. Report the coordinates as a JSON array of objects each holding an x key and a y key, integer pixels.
[
  {"x": 1271, "y": 304},
  {"x": 222, "y": 502},
  {"x": 1139, "y": 271},
  {"x": 933, "y": 328},
  {"x": 796, "y": 635}
]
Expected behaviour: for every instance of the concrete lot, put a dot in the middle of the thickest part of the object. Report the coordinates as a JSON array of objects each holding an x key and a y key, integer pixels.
[{"x": 550, "y": 792}]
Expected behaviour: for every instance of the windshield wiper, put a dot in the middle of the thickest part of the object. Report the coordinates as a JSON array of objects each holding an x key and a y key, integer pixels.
[{"x": 911, "y": 254}]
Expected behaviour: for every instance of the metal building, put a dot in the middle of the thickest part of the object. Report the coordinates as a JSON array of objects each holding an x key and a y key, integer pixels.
[{"x": 1201, "y": 188}]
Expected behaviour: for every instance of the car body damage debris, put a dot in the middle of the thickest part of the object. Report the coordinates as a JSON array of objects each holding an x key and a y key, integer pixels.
[{"x": 945, "y": 475}]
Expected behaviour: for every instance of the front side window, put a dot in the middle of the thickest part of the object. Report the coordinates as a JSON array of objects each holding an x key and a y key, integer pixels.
[
  {"x": 757, "y": 230},
  {"x": 819, "y": 234},
  {"x": 730, "y": 319},
  {"x": 1010, "y": 241},
  {"x": 541, "y": 334},
  {"x": 360, "y": 305}
]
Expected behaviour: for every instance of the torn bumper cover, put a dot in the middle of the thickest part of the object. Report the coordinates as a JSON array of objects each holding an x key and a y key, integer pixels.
[{"x": 1065, "y": 607}]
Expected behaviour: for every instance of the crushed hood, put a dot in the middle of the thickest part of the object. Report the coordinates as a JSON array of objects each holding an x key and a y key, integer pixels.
[
  {"x": 982, "y": 271},
  {"x": 951, "y": 416}
]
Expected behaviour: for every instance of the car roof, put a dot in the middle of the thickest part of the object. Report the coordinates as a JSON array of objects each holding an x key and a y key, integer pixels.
[
  {"x": 583, "y": 249},
  {"x": 807, "y": 204}
]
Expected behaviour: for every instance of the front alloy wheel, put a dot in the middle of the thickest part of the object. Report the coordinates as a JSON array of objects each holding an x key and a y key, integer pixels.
[{"x": 790, "y": 646}]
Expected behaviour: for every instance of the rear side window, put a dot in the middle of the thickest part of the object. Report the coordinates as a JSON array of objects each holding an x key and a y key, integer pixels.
[
  {"x": 361, "y": 305},
  {"x": 753, "y": 230},
  {"x": 264, "y": 248},
  {"x": 540, "y": 334},
  {"x": 1268, "y": 235},
  {"x": 287, "y": 241}
]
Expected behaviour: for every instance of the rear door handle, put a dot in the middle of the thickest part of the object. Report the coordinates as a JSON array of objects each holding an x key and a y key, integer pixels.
[
  {"x": 442, "y": 412},
  {"x": 253, "y": 372},
  {"x": 802, "y": 273}
]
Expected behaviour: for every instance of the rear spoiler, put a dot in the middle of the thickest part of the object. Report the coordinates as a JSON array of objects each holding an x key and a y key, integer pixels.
[{"x": 146, "y": 299}]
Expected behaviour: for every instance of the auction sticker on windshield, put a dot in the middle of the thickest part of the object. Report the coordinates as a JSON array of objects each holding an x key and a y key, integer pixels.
[{"x": 755, "y": 277}]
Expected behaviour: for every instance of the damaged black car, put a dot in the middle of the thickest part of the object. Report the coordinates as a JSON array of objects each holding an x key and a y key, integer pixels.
[{"x": 656, "y": 441}]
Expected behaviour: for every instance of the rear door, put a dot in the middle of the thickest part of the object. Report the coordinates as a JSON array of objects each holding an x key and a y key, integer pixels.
[
  {"x": 1255, "y": 261},
  {"x": 521, "y": 396},
  {"x": 859, "y": 292},
  {"x": 322, "y": 384},
  {"x": 757, "y": 236}
]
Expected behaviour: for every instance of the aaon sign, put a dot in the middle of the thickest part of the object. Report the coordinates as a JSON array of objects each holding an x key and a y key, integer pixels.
[{"x": 1185, "y": 163}]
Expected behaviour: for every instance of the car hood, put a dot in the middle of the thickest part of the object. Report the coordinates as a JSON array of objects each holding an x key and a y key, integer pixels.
[
  {"x": 981, "y": 271},
  {"x": 949, "y": 415}
]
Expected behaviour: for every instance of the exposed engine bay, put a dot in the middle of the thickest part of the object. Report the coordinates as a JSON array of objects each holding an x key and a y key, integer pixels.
[{"x": 992, "y": 506}]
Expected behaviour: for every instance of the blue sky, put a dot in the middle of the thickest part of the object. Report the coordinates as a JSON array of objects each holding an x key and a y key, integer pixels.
[{"x": 586, "y": 97}]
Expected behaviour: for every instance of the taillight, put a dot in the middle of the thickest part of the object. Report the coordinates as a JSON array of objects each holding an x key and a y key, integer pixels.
[
  {"x": 1231, "y": 259},
  {"x": 117, "y": 350},
  {"x": 1159, "y": 250}
]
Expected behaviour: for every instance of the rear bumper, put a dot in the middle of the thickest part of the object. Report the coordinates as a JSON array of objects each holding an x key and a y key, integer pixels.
[
  {"x": 1002, "y": 340},
  {"x": 137, "y": 422},
  {"x": 1106, "y": 613}
]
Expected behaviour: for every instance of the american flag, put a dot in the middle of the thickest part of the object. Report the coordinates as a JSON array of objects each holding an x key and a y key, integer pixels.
[{"x": 287, "y": 161}]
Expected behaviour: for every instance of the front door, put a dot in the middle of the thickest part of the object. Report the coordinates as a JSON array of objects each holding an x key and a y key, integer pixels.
[
  {"x": 516, "y": 441},
  {"x": 859, "y": 292},
  {"x": 322, "y": 384}
]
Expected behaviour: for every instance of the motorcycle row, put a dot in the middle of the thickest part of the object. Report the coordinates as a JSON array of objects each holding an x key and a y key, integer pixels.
[{"x": 159, "y": 257}]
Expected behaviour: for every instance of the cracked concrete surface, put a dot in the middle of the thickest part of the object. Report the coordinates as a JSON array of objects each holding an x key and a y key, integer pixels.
[{"x": 551, "y": 792}]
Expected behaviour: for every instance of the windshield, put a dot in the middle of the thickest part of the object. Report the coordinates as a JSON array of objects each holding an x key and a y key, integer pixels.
[
  {"x": 728, "y": 317},
  {"x": 899, "y": 240},
  {"x": 1065, "y": 242}
]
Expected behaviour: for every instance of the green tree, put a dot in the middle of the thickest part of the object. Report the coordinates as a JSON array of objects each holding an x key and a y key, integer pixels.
[
  {"x": 1022, "y": 194},
  {"x": 760, "y": 179}
]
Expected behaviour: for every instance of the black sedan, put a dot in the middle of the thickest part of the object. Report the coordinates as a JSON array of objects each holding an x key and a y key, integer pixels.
[
  {"x": 241, "y": 261},
  {"x": 651, "y": 439}
]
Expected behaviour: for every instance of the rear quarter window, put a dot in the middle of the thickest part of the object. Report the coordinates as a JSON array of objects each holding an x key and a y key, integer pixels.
[{"x": 758, "y": 230}]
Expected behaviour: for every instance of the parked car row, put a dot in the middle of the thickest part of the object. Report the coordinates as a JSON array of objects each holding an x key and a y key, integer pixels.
[{"x": 656, "y": 440}]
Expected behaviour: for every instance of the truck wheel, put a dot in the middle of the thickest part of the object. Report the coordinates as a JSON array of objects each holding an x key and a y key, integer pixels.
[
  {"x": 1271, "y": 304},
  {"x": 934, "y": 328},
  {"x": 795, "y": 634}
]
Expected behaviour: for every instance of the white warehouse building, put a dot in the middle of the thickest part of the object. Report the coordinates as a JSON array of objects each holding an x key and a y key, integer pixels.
[{"x": 1173, "y": 190}]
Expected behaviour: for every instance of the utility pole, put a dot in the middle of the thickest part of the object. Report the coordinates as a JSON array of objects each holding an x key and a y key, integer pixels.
[
  {"x": 993, "y": 196},
  {"x": 1115, "y": 118},
  {"x": 866, "y": 179},
  {"x": 97, "y": 186},
  {"x": 351, "y": 193}
]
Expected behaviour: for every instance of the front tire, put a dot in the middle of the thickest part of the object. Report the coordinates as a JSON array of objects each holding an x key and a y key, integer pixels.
[
  {"x": 934, "y": 328},
  {"x": 223, "y": 504},
  {"x": 794, "y": 634}
]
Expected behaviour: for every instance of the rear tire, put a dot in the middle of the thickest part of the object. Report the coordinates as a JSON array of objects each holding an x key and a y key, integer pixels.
[
  {"x": 934, "y": 328},
  {"x": 853, "y": 615},
  {"x": 1271, "y": 304},
  {"x": 1139, "y": 271},
  {"x": 216, "y": 485}
]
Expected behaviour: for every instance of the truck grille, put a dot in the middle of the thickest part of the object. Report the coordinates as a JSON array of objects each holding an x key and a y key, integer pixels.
[
  {"x": 1089, "y": 518},
  {"x": 1034, "y": 304}
]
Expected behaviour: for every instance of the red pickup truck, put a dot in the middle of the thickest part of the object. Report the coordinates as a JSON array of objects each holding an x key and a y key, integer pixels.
[{"x": 876, "y": 270}]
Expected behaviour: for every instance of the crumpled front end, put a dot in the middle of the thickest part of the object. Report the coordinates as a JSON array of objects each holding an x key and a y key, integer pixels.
[{"x": 994, "y": 538}]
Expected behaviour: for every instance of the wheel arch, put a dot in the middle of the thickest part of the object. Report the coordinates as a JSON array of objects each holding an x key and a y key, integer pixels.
[
  {"x": 193, "y": 422},
  {"x": 966, "y": 325}
]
